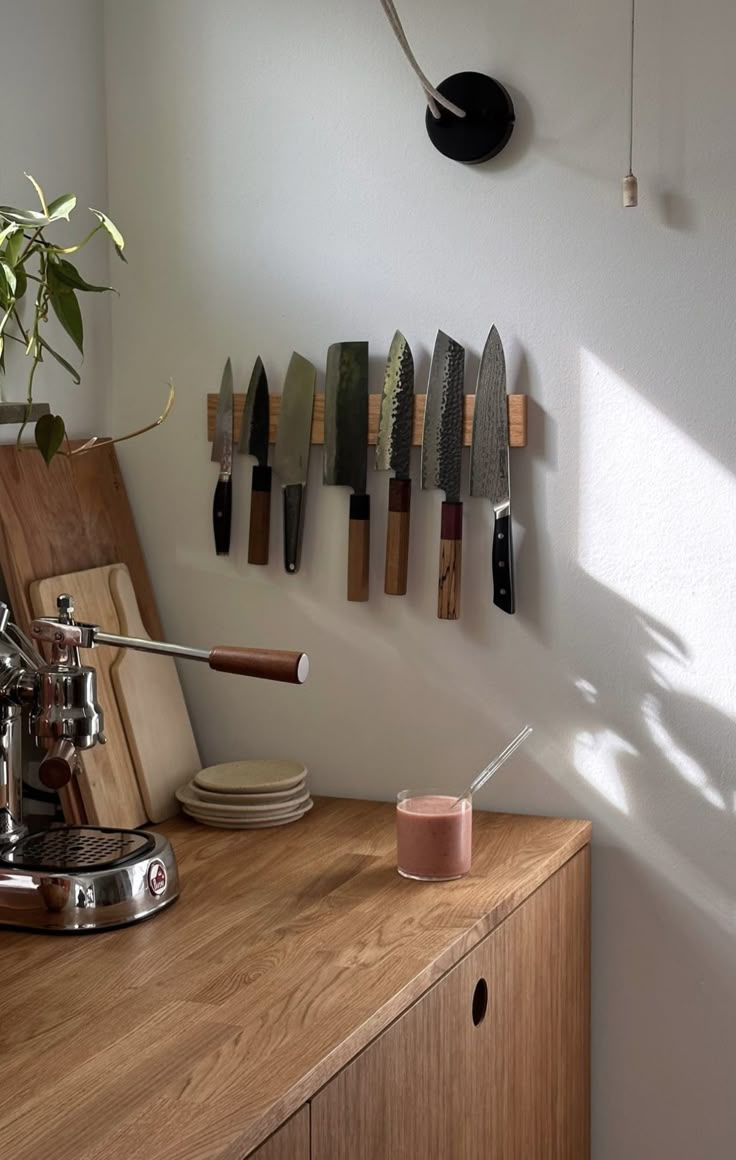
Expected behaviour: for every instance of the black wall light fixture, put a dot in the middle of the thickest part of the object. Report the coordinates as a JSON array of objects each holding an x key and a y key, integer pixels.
[{"x": 470, "y": 116}]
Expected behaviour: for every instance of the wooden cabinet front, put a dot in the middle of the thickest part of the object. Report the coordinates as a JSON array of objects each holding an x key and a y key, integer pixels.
[
  {"x": 492, "y": 1063},
  {"x": 290, "y": 1142}
]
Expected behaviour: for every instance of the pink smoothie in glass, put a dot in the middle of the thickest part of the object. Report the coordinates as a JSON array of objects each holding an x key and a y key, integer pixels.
[{"x": 433, "y": 840}]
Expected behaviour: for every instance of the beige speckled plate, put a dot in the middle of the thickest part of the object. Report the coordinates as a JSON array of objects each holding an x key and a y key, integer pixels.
[
  {"x": 259, "y": 776},
  {"x": 247, "y": 823},
  {"x": 187, "y": 795},
  {"x": 276, "y": 798}
]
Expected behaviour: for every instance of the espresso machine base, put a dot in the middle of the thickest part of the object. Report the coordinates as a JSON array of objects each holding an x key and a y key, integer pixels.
[{"x": 79, "y": 879}]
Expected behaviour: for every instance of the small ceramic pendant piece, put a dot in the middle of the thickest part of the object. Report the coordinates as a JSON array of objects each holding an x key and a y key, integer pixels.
[{"x": 630, "y": 191}]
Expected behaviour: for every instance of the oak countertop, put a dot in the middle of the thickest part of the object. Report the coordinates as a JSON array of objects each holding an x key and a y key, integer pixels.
[{"x": 195, "y": 1034}]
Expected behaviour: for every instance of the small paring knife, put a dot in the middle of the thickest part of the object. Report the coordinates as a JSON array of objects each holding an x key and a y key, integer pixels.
[
  {"x": 254, "y": 441},
  {"x": 222, "y": 453},
  {"x": 346, "y": 450},
  {"x": 393, "y": 453},
  {"x": 291, "y": 454},
  {"x": 489, "y": 464},
  {"x": 442, "y": 443}
]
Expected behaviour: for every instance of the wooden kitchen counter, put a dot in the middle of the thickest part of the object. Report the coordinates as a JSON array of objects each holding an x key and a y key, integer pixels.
[{"x": 194, "y": 1035}]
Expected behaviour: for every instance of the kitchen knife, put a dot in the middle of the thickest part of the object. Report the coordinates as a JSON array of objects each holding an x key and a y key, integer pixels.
[
  {"x": 442, "y": 443},
  {"x": 222, "y": 453},
  {"x": 254, "y": 441},
  {"x": 393, "y": 452},
  {"x": 291, "y": 454},
  {"x": 346, "y": 450},
  {"x": 489, "y": 464}
]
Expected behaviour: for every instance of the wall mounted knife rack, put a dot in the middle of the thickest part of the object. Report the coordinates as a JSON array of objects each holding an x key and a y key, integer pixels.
[{"x": 517, "y": 409}]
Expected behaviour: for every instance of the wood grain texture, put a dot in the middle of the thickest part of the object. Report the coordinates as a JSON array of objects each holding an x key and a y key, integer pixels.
[
  {"x": 292, "y": 1142},
  {"x": 359, "y": 549},
  {"x": 517, "y": 410},
  {"x": 259, "y": 528},
  {"x": 107, "y": 778},
  {"x": 451, "y": 562},
  {"x": 266, "y": 664},
  {"x": 152, "y": 709},
  {"x": 288, "y": 952},
  {"x": 397, "y": 537},
  {"x": 514, "y": 1087}
]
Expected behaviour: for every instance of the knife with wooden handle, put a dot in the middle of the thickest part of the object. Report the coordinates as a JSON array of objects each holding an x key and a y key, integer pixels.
[
  {"x": 254, "y": 441},
  {"x": 489, "y": 465},
  {"x": 346, "y": 451},
  {"x": 442, "y": 443},
  {"x": 393, "y": 452},
  {"x": 222, "y": 453}
]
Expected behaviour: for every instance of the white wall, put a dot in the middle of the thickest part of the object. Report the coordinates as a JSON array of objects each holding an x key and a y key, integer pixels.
[
  {"x": 269, "y": 166},
  {"x": 53, "y": 126}
]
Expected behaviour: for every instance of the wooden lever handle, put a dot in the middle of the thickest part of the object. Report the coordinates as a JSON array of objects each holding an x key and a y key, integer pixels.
[{"x": 268, "y": 664}]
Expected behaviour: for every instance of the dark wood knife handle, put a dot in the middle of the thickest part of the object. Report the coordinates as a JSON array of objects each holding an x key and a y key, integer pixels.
[
  {"x": 359, "y": 547},
  {"x": 221, "y": 513},
  {"x": 397, "y": 537},
  {"x": 503, "y": 565},
  {"x": 259, "y": 531},
  {"x": 293, "y": 523},
  {"x": 451, "y": 558}
]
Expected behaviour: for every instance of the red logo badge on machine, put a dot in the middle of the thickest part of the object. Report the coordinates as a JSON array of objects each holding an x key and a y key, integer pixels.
[{"x": 157, "y": 878}]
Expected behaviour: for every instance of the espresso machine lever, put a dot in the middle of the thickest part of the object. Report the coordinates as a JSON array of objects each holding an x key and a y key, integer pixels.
[{"x": 73, "y": 878}]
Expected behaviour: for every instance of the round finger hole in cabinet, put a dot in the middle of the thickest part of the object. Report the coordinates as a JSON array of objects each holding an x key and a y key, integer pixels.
[{"x": 480, "y": 1001}]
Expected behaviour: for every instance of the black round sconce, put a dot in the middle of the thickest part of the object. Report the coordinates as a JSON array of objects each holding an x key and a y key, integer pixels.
[{"x": 487, "y": 125}]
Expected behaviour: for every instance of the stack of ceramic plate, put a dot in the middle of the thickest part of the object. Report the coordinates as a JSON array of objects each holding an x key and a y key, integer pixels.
[{"x": 247, "y": 795}]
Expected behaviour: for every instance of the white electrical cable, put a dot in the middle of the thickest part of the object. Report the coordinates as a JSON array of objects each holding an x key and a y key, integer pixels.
[{"x": 434, "y": 98}]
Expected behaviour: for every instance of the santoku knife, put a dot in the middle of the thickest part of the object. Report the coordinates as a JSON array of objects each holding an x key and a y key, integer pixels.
[
  {"x": 393, "y": 452},
  {"x": 291, "y": 454},
  {"x": 346, "y": 450},
  {"x": 489, "y": 464},
  {"x": 222, "y": 453},
  {"x": 442, "y": 443},
  {"x": 254, "y": 441}
]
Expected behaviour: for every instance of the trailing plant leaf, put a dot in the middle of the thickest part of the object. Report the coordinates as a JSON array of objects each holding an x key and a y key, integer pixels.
[
  {"x": 65, "y": 306},
  {"x": 13, "y": 247},
  {"x": 49, "y": 434},
  {"x": 23, "y": 217},
  {"x": 39, "y": 191},
  {"x": 7, "y": 231},
  {"x": 8, "y": 273},
  {"x": 60, "y": 359},
  {"x": 113, "y": 231},
  {"x": 61, "y": 207},
  {"x": 65, "y": 272},
  {"x": 21, "y": 282}
]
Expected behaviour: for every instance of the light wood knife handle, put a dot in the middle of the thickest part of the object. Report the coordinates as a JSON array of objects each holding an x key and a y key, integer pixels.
[
  {"x": 451, "y": 557},
  {"x": 397, "y": 537},
  {"x": 259, "y": 532},
  {"x": 268, "y": 664},
  {"x": 359, "y": 547}
]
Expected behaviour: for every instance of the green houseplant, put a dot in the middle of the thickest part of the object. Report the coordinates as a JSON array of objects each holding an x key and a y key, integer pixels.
[{"x": 37, "y": 276}]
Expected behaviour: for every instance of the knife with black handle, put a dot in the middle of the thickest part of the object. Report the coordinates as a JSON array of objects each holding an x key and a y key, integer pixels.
[
  {"x": 489, "y": 465},
  {"x": 291, "y": 454},
  {"x": 346, "y": 450},
  {"x": 254, "y": 441},
  {"x": 222, "y": 453}
]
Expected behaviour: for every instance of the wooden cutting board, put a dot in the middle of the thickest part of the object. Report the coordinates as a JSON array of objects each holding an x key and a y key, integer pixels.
[
  {"x": 69, "y": 516},
  {"x": 153, "y": 710},
  {"x": 108, "y": 781}
]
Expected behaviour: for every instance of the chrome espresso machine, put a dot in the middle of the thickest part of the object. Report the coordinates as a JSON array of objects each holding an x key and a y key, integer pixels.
[{"x": 83, "y": 878}]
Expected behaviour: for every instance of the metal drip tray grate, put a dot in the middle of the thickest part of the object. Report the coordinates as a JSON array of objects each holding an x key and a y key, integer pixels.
[{"x": 77, "y": 848}]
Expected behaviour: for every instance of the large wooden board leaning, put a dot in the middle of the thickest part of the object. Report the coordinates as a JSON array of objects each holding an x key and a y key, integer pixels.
[
  {"x": 107, "y": 780},
  {"x": 71, "y": 515},
  {"x": 152, "y": 709}
]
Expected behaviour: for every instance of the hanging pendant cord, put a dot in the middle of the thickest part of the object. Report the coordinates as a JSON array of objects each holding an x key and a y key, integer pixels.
[
  {"x": 631, "y": 90},
  {"x": 434, "y": 98}
]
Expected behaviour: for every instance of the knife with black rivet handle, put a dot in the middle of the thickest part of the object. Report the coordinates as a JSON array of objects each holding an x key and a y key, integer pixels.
[
  {"x": 489, "y": 464},
  {"x": 254, "y": 441},
  {"x": 393, "y": 452},
  {"x": 291, "y": 454},
  {"x": 222, "y": 453},
  {"x": 346, "y": 450},
  {"x": 442, "y": 444}
]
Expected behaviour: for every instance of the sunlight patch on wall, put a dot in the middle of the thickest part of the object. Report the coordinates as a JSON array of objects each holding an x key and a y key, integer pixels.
[
  {"x": 656, "y": 526},
  {"x": 595, "y": 756}
]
